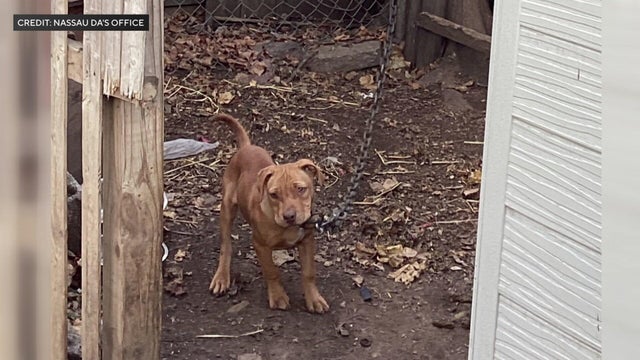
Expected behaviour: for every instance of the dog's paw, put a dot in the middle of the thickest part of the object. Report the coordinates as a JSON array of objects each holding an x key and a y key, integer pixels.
[
  {"x": 278, "y": 299},
  {"x": 316, "y": 303},
  {"x": 220, "y": 283}
]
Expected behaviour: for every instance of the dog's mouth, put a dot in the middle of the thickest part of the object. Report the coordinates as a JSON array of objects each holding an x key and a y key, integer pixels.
[{"x": 287, "y": 223}]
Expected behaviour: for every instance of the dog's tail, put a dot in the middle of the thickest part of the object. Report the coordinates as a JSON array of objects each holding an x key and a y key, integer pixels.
[{"x": 241, "y": 134}]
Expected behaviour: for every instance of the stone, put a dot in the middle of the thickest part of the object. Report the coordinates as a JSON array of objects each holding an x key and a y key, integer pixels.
[
  {"x": 345, "y": 58},
  {"x": 74, "y": 215}
]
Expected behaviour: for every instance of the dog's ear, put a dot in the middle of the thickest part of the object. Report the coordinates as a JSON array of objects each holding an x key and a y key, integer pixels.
[
  {"x": 312, "y": 169},
  {"x": 263, "y": 178}
]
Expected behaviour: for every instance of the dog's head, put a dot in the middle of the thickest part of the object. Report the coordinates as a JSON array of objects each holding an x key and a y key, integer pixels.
[{"x": 288, "y": 190}]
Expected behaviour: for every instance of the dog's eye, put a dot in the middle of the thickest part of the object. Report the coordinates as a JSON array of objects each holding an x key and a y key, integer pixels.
[
  {"x": 273, "y": 195},
  {"x": 301, "y": 189}
]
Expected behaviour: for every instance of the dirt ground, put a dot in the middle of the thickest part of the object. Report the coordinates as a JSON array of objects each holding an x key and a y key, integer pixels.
[{"x": 415, "y": 219}]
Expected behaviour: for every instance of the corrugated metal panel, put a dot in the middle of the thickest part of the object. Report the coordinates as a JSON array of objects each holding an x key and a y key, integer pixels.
[{"x": 550, "y": 277}]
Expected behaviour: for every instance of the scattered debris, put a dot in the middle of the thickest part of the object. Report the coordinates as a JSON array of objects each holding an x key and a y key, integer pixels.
[
  {"x": 342, "y": 330},
  {"x": 364, "y": 342},
  {"x": 175, "y": 284},
  {"x": 472, "y": 193},
  {"x": 224, "y": 336},
  {"x": 365, "y": 294},
  {"x": 409, "y": 272},
  {"x": 181, "y": 148},
  {"x": 443, "y": 324},
  {"x": 475, "y": 177},
  {"x": 180, "y": 255},
  {"x": 238, "y": 307},
  {"x": 281, "y": 257}
]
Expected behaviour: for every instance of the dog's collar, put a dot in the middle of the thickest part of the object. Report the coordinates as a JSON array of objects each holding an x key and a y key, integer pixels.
[{"x": 312, "y": 223}]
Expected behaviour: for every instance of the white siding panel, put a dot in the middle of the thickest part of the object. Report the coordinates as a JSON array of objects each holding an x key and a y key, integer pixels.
[
  {"x": 524, "y": 335},
  {"x": 550, "y": 273},
  {"x": 550, "y": 284},
  {"x": 559, "y": 217},
  {"x": 554, "y": 20},
  {"x": 572, "y": 167}
]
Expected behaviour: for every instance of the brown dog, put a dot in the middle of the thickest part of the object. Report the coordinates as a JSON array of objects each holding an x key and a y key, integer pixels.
[{"x": 276, "y": 201}]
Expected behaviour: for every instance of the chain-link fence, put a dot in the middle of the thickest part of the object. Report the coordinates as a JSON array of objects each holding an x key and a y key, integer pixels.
[
  {"x": 207, "y": 15},
  {"x": 232, "y": 27}
]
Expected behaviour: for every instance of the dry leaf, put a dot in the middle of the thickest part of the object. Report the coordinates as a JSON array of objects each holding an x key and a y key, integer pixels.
[
  {"x": 180, "y": 255},
  {"x": 225, "y": 97},
  {"x": 408, "y": 273},
  {"x": 362, "y": 248},
  {"x": 258, "y": 68},
  {"x": 475, "y": 177},
  {"x": 350, "y": 75},
  {"x": 281, "y": 257},
  {"x": 396, "y": 260},
  {"x": 415, "y": 85},
  {"x": 358, "y": 280},
  {"x": 389, "y": 184},
  {"x": 409, "y": 252},
  {"x": 368, "y": 82},
  {"x": 169, "y": 214}
]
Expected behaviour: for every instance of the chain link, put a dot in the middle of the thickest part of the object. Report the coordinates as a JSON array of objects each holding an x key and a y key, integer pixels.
[{"x": 340, "y": 213}]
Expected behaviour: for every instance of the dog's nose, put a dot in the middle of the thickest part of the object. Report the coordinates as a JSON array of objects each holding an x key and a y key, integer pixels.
[{"x": 289, "y": 216}]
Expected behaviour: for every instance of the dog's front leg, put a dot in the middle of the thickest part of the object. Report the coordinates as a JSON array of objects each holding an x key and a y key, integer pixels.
[
  {"x": 315, "y": 302},
  {"x": 222, "y": 277},
  {"x": 278, "y": 298}
]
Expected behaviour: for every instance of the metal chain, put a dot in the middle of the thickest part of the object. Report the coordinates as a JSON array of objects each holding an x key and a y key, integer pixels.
[{"x": 340, "y": 213}]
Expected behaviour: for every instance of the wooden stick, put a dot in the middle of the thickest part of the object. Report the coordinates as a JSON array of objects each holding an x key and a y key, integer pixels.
[
  {"x": 444, "y": 162},
  {"x": 222, "y": 336},
  {"x": 390, "y": 162},
  {"x": 455, "y": 221},
  {"x": 317, "y": 120},
  {"x": 192, "y": 163},
  {"x": 337, "y": 101}
]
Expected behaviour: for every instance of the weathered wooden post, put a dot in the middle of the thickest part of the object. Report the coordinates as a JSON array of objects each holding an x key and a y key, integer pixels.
[
  {"x": 133, "y": 119},
  {"x": 58, "y": 279}
]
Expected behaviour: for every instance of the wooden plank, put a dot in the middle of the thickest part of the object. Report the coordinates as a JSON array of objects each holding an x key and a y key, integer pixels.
[
  {"x": 455, "y": 32},
  {"x": 74, "y": 60},
  {"x": 91, "y": 174},
  {"x": 401, "y": 21},
  {"x": 132, "y": 68},
  {"x": 429, "y": 44},
  {"x": 58, "y": 325},
  {"x": 133, "y": 211},
  {"x": 413, "y": 9},
  {"x": 112, "y": 50}
]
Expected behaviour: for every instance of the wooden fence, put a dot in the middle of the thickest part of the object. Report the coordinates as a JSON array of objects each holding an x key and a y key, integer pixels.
[
  {"x": 431, "y": 28},
  {"x": 122, "y": 135}
]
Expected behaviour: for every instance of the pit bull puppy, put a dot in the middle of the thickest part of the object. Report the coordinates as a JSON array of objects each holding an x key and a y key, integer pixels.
[{"x": 276, "y": 201}]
